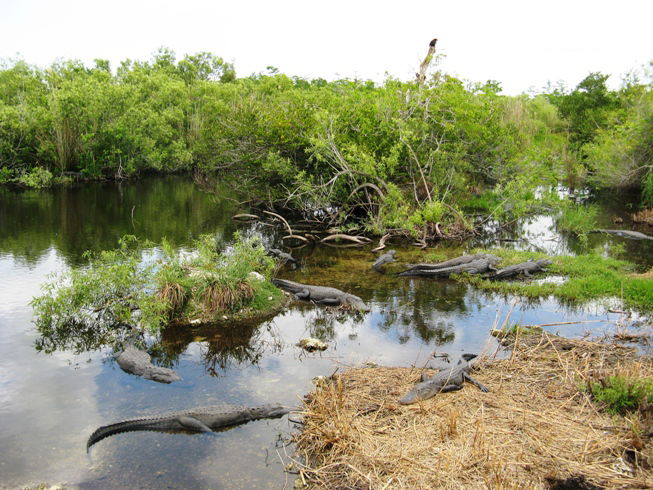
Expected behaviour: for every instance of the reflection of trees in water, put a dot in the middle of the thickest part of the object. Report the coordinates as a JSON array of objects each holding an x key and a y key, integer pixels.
[
  {"x": 93, "y": 216},
  {"x": 413, "y": 305},
  {"x": 81, "y": 337},
  {"x": 322, "y": 323},
  {"x": 221, "y": 346}
]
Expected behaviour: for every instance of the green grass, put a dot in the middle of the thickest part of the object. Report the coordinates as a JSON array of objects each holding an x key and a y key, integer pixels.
[
  {"x": 588, "y": 277},
  {"x": 578, "y": 219},
  {"x": 620, "y": 394}
]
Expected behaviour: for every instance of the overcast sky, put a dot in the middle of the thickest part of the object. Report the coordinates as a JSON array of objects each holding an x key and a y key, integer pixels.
[{"x": 522, "y": 44}]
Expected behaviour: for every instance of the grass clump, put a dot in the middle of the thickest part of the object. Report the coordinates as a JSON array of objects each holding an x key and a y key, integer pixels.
[
  {"x": 579, "y": 220},
  {"x": 622, "y": 394}
]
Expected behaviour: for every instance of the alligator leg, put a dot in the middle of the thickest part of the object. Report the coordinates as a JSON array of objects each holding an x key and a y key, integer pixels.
[
  {"x": 303, "y": 294},
  {"x": 478, "y": 384},
  {"x": 191, "y": 423},
  {"x": 328, "y": 302},
  {"x": 448, "y": 388}
]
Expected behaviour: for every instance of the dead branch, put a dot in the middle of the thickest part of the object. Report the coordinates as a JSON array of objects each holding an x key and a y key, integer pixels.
[
  {"x": 340, "y": 236},
  {"x": 245, "y": 216},
  {"x": 282, "y": 219},
  {"x": 382, "y": 242},
  {"x": 421, "y": 76}
]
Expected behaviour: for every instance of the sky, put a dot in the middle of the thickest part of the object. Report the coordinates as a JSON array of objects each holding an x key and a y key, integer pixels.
[{"x": 520, "y": 43}]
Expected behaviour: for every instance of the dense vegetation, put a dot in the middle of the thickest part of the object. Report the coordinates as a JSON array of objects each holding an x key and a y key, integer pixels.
[{"x": 396, "y": 156}]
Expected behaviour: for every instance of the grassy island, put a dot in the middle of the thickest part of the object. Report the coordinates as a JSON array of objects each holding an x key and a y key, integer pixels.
[{"x": 146, "y": 287}]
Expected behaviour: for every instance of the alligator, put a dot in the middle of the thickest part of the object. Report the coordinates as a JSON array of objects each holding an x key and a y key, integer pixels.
[
  {"x": 464, "y": 259},
  {"x": 321, "y": 295},
  {"x": 525, "y": 268},
  {"x": 284, "y": 256},
  {"x": 138, "y": 362},
  {"x": 634, "y": 235},
  {"x": 484, "y": 263},
  {"x": 387, "y": 257},
  {"x": 450, "y": 379},
  {"x": 201, "y": 419}
]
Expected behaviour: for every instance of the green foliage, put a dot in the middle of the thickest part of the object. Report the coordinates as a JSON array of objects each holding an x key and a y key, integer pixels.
[
  {"x": 578, "y": 219},
  {"x": 622, "y": 394},
  {"x": 379, "y": 155},
  {"x": 129, "y": 287},
  {"x": 37, "y": 178}
]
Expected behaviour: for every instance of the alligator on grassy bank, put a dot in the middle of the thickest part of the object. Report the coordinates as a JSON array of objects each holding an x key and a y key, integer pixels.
[
  {"x": 321, "y": 295},
  {"x": 450, "y": 379},
  {"x": 525, "y": 268},
  {"x": 194, "y": 420},
  {"x": 471, "y": 264},
  {"x": 138, "y": 362}
]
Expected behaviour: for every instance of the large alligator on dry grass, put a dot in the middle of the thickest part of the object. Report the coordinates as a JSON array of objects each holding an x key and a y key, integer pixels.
[
  {"x": 321, "y": 295},
  {"x": 633, "y": 235},
  {"x": 202, "y": 419},
  {"x": 525, "y": 268},
  {"x": 450, "y": 379},
  {"x": 138, "y": 362},
  {"x": 471, "y": 264}
]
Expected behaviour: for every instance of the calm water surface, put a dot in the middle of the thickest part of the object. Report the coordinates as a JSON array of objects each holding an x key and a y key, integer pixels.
[{"x": 51, "y": 403}]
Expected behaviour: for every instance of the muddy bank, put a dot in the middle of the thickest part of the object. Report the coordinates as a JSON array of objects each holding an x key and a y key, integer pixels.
[{"x": 535, "y": 428}]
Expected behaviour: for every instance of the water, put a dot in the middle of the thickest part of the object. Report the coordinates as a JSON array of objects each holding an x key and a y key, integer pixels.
[{"x": 51, "y": 403}]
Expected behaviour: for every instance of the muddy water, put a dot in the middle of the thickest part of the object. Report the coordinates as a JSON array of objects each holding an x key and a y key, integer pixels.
[{"x": 50, "y": 403}]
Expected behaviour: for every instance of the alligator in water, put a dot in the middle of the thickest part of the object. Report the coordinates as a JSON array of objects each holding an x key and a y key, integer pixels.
[
  {"x": 387, "y": 257},
  {"x": 525, "y": 268},
  {"x": 283, "y": 256},
  {"x": 482, "y": 263},
  {"x": 138, "y": 362},
  {"x": 321, "y": 295},
  {"x": 633, "y": 235},
  {"x": 450, "y": 379},
  {"x": 202, "y": 419}
]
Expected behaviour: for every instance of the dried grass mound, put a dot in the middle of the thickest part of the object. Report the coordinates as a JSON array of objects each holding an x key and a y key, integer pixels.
[{"x": 535, "y": 429}]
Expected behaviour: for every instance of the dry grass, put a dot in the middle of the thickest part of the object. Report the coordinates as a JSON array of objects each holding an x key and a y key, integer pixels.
[
  {"x": 644, "y": 216},
  {"x": 220, "y": 298},
  {"x": 175, "y": 297},
  {"x": 533, "y": 430}
]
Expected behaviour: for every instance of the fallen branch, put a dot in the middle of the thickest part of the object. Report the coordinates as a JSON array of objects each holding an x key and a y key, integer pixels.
[
  {"x": 245, "y": 216},
  {"x": 339, "y": 236},
  {"x": 381, "y": 243}
]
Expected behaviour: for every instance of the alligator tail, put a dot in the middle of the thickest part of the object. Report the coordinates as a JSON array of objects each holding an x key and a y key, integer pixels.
[{"x": 126, "y": 426}]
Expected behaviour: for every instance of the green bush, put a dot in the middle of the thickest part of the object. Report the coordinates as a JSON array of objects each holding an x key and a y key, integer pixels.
[
  {"x": 37, "y": 178},
  {"x": 621, "y": 394}
]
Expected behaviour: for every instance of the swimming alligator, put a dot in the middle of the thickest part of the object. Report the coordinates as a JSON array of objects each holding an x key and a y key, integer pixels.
[
  {"x": 283, "y": 256},
  {"x": 138, "y": 362},
  {"x": 450, "y": 379},
  {"x": 633, "y": 235},
  {"x": 525, "y": 268},
  {"x": 201, "y": 419},
  {"x": 483, "y": 263},
  {"x": 321, "y": 295},
  {"x": 387, "y": 257}
]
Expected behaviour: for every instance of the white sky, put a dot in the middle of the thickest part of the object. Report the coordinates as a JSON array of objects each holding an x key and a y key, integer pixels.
[{"x": 522, "y": 44}]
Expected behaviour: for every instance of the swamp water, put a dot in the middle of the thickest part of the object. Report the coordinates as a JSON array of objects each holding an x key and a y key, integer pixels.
[{"x": 51, "y": 403}]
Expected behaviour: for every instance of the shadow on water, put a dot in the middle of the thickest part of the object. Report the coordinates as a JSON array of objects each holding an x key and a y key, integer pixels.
[{"x": 50, "y": 404}]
